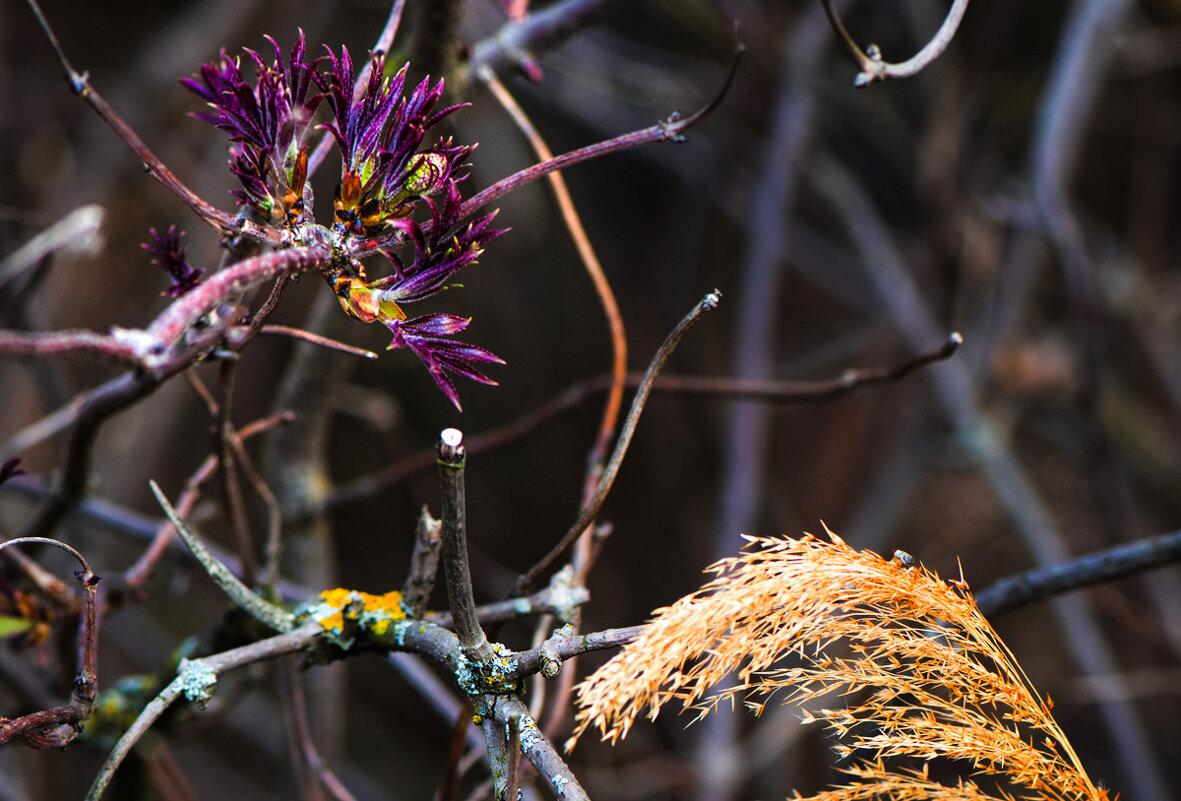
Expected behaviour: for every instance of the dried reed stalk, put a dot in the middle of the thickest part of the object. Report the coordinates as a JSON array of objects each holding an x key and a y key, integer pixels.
[{"x": 921, "y": 672}]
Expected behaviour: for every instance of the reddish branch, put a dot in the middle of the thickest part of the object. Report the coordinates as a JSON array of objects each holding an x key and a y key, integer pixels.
[{"x": 57, "y": 727}]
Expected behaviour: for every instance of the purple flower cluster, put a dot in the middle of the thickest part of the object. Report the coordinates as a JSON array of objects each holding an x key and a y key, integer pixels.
[
  {"x": 387, "y": 168},
  {"x": 267, "y": 124},
  {"x": 169, "y": 255}
]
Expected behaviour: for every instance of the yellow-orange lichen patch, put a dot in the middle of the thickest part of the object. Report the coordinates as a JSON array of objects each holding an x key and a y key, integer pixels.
[{"x": 377, "y": 611}]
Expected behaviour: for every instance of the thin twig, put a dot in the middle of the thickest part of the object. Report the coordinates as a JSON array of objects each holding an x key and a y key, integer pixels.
[
  {"x": 768, "y": 391},
  {"x": 590, "y": 509},
  {"x": 135, "y": 575},
  {"x": 594, "y": 269},
  {"x": 266, "y": 613},
  {"x": 563, "y": 646},
  {"x": 274, "y": 543},
  {"x": 79, "y": 82},
  {"x": 671, "y": 129},
  {"x": 874, "y": 68},
  {"x": 316, "y": 339},
  {"x": 229, "y": 488},
  {"x": 312, "y": 773}
]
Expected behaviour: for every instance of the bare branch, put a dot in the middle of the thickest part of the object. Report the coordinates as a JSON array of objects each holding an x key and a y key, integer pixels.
[
  {"x": 590, "y": 509},
  {"x": 472, "y": 640},
  {"x": 783, "y": 392},
  {"x": 266, "y": 613},
  {"x": 874, "y": 68},
  {"x": 566, "y": 644},
  {"x": 79, "y": 82},
  {"x": 540, "y": 751},
  {"x": 316, "y": 339},
  {"x": 77, "y": 232},
  {"x": 57, "y": 727},
  {"x": 1094, "y": 568},
  {"x": 196, "y": 680},
  {"x": 514, "y": 45}
]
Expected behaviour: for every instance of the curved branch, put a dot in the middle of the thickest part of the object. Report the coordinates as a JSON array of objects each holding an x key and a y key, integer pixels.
[{"x": 874, "y": 68}]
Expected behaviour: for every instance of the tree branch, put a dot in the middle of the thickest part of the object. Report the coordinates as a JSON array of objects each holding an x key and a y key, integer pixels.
[
  {"x": 590, "y": 509},
  {"x": 1094, "y": 568},
  {"x": 873, "y": 68}
]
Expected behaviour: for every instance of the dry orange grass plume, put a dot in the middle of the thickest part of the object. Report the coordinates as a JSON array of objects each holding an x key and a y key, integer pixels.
[{"x": 923, "y": 673}]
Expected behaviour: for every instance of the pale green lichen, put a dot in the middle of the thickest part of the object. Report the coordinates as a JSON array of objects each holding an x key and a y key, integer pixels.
[
  {"x": 565, "y": 596},
  {"x": 198, "y": 681},
  {"x": 498, "y": 676}
]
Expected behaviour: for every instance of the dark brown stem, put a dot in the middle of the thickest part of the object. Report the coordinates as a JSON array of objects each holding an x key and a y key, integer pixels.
[
  {"x": 1094, "y": 568},
  {"x": 79, "y": 82},
  {"x": 459, "y": 732},
  {"x": 274, "y": 516},
  {"x": 778, "y": 392},
  {"x": 424, "y": 564},
  {"x": 590, "y": 510},
  {"x": 164, "y": 536},
  {"x": 451, "y": 457},
  {"x": 229, "y": 488},
  {"x": 57, "y": 727},
  {"x": 102, "y": 404}
]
